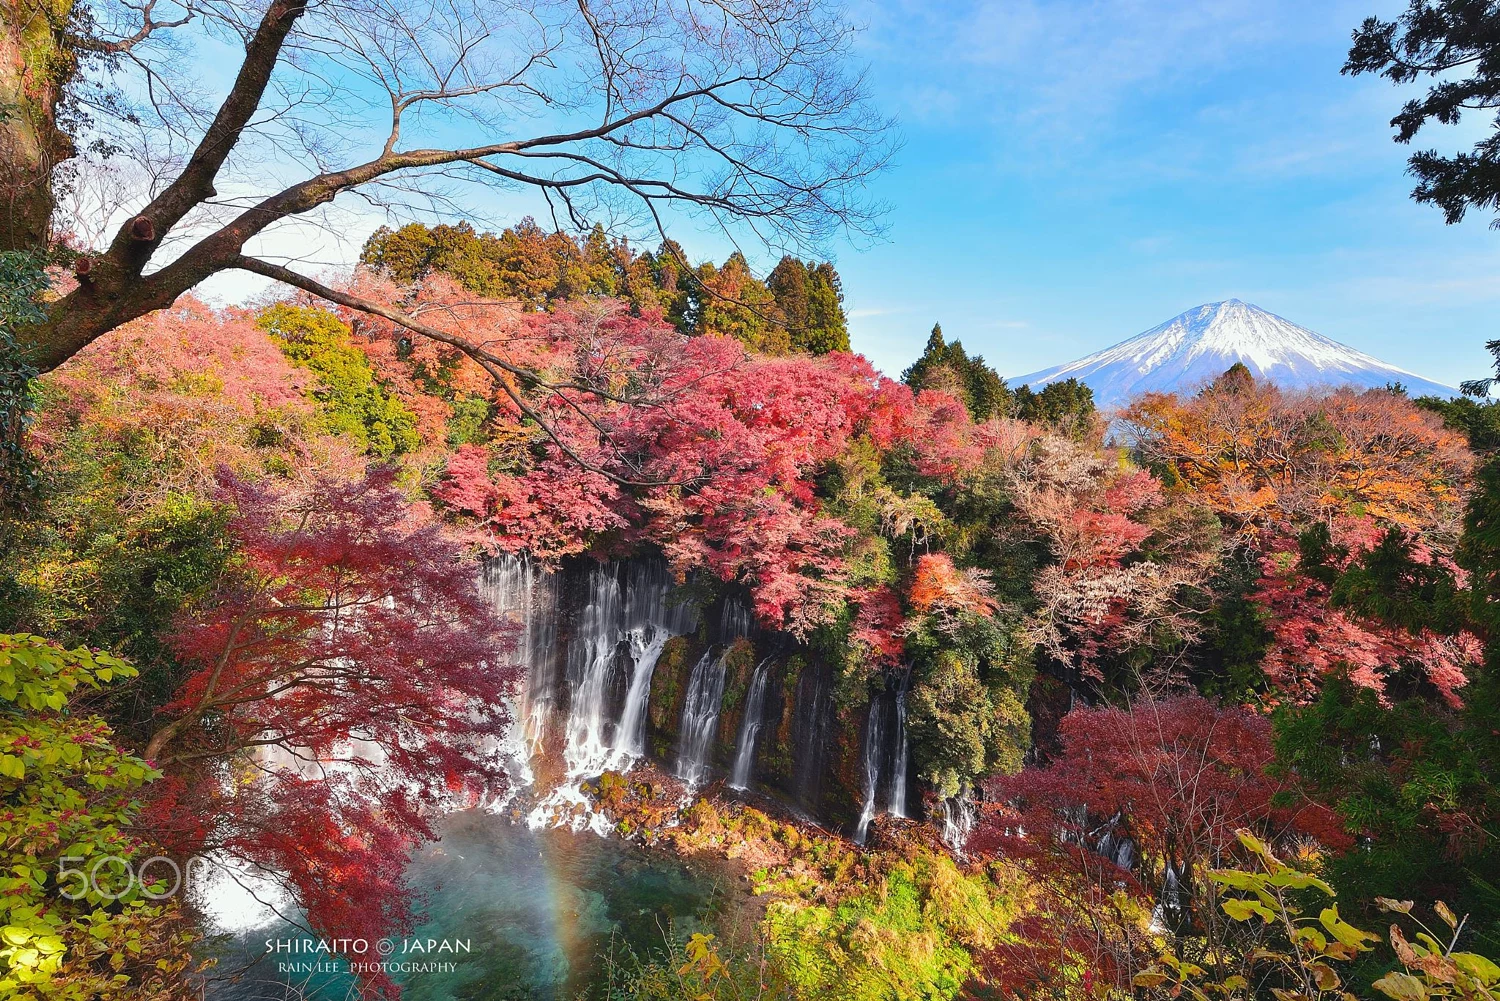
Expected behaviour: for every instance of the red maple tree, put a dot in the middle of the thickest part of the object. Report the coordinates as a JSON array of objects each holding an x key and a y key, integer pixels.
[
  {"x": 349, "y": 683},
  {"x": 1311, "y": 638},
  {"x": 1172, "y": 779}
]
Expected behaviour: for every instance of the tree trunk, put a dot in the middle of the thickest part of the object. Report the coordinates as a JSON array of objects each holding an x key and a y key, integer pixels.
[{"x": 35, "y": 67}]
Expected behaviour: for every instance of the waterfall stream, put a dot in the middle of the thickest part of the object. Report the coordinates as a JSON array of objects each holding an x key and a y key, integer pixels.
[
  {"x": 874, "y": 747},
  {"x": 736, "y": 620},
  {"x": 958, "y": 814},
  {"x": 590, "y": 658},
  {"x": 744, "y": 754},
  {"x": 526, "y": 597},
  {"x": 628, "y": 619},
  {"x": 902, "y": 763},
  {"x": 885, "y": 759},
  {"x": 626, "y": 616},
  {"x": 646, "y": 645},
  {"x": 700, "y": 719}
]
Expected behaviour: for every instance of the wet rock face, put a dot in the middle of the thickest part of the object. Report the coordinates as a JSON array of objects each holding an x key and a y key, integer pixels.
[{"x": 611, "y": 652}]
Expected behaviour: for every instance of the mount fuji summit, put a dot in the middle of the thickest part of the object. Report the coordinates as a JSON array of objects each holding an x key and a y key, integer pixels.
[{"x": 1199, "y": 345}]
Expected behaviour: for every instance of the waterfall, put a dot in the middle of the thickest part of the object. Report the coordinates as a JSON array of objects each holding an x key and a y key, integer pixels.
[
  {"x": 616, "y": 641},
  {"x": 812, "y": 721},
  {"x": 1119, "y": 850},
  {"x": 1107, "y": 841},
  {"x": 1172, "y": 906},
  {"x": 650, "y": 599},
  {"x": 526, "y": 597},
  {"x": 736, "y": 621},
  {"x": 902, "y": 763},
  {"x": 630, "y": 621},
  {"x": 874, "y": 748},
  {"x": 958, "y": 818},
  {"x": 590, "y": 658},
  {"x": 744, "y": 755},
  {"x": 651, "y": 618},
  {"x": 646, "y": 645},
  {"x": 700, "y": 719}
]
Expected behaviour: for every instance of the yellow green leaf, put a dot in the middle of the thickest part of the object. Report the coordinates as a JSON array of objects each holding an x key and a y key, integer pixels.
[
  {"x": 1477, "y": 967},
  {"x": 1402, "y": 987}
]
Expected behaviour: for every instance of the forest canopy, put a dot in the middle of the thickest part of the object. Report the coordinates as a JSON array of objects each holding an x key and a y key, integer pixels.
[{"x": 1293, "y": 584}]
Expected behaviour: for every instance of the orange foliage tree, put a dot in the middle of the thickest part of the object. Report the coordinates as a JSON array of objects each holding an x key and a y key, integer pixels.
[
  {"x": 1260, "y": 456},
  {"x": 1354, "y": 466}
]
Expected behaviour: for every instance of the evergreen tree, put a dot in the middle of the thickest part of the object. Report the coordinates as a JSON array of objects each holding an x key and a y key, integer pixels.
[
  {"x": 734, "y": 303},
  {"x": 934, "y": 354},
  {"x": 1066, "y": 403},
  {"x": 789, "y": 283},
  {"x": 826, "y": 329},
  {"x": 948, "y": 367},
  {"x": 1455, "y": 43},
  {"x": 811, "y": 301},
  {"x": 668, "y": 272}
]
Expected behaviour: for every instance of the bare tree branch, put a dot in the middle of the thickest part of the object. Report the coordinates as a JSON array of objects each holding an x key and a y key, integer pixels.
[{"x": 740, "y": 110}]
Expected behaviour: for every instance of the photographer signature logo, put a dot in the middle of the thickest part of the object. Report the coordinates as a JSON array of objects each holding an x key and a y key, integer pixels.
[{"x": 359, "y": 955}]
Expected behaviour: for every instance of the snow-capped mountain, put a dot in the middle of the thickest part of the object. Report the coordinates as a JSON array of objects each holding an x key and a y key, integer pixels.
[{"x": 1196, "y": 347}]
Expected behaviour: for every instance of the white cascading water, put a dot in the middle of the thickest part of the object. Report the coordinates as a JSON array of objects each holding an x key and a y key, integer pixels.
[
  {"x": 526, "y": 596},
  {"x": 744, "y": 753},
  {"x": 651, "y": 618},
  {"x": 902, "y": 763},
  {"x": 1171, "y": 903},
  {"x": 646, "y": 645},
  {"x": 590, "y": 658},
  {"x": 736, "y": 620},
  {"x": 874, "y": 748},
  {"x": 700, "y": 719},
  {"x": 958, "y": 815},
  {"x": 629, "y": 617}
]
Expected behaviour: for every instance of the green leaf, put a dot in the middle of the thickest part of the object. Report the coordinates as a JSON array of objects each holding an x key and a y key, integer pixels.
[
  {"x": 1237, "y": 879},
  {"x": 1299, "y": 881},
  {"x": 1477, "y": 967},
  {"x": 1256, "y": 845},
  {"x": 1342, "y": 930},
  {"x": 1242, "y": 910}
]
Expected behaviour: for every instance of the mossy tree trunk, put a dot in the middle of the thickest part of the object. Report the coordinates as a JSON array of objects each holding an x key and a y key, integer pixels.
[{"x": 35, "y": 67}]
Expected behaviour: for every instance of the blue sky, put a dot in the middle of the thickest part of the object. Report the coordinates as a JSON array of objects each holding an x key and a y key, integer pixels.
[{"x": 1076, "y": 172}]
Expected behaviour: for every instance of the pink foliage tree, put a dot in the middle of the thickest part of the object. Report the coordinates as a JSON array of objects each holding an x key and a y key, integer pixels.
[
  {"x": 1311, "y": 638},
  {"x": 1107, "y": 591},
  {"x": 688, "y": 443}
]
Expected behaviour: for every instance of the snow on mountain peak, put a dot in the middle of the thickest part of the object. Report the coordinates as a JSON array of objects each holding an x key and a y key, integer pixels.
[{"x": 1197, "y": 346}]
